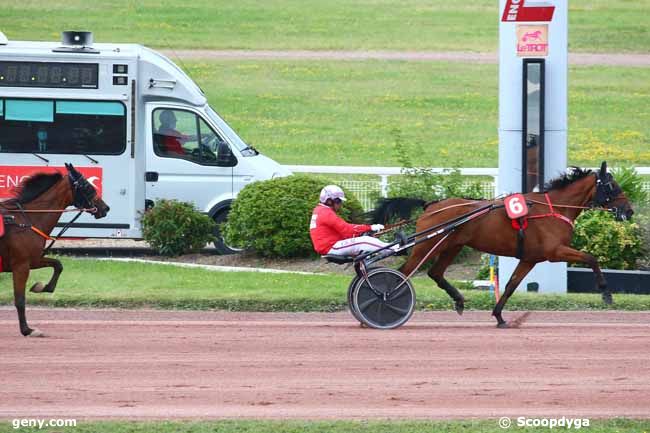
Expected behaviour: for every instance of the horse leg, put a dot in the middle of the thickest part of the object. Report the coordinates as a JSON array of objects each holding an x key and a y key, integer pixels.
[
  {"x": 522, "y": 269},
  {"x": 20, "y": 275},
  {"x": 46, "y": 262},
  {"x": 567, "y": 254},
  {"x": 437, "y": 271}
]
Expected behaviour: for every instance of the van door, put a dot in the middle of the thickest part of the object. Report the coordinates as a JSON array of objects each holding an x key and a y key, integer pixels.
[{"x": 186, "y": 159}]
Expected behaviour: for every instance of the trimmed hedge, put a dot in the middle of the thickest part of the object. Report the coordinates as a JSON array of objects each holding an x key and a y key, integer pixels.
[
  {"x": 173, "y": 228},
  {"x": 272, "y": 217}
]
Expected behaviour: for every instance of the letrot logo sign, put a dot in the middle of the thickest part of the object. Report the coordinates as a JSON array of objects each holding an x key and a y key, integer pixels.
[
  {"x": 516, "y": 11},
  {"x": 532, "y": 41}
]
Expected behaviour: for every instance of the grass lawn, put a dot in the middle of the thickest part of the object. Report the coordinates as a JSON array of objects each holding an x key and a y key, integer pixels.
[
  {"x": 595, "y": 25},
  {"x": 446, "y": 114},
  {"x": 475, "y": 426},
  {"x": 92, "y": 283}
]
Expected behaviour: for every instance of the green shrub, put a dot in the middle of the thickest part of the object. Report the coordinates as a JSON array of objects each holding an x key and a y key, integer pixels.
[
  {"x": 173, "y": 228},
  {"x": 272, "y": 217},
  {"x": 632, "y": 185},
  {"x": 421, "y": 183},
  {"x": 642, "y": 218},
  {"x": 616, "y": 245}
]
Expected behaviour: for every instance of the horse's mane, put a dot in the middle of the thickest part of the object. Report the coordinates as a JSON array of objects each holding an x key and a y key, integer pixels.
[
  {"x": 388, "y": 208},
  {"x": 572, "y": 175},
  {"x": 34, "y": 186}
]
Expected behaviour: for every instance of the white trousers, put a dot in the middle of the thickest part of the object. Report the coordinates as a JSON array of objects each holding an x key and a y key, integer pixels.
[{"x": 355, "y": 246}]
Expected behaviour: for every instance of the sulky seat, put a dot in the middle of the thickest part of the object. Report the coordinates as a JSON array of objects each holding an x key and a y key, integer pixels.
[{"x": 338, "y": 259}]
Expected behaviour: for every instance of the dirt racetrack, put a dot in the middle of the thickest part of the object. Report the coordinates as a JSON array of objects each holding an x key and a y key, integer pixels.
[{"x": 153, "y": 364}]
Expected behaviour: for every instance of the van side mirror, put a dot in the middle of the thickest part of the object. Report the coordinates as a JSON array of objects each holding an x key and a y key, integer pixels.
[{"x": 225, "y": 157}]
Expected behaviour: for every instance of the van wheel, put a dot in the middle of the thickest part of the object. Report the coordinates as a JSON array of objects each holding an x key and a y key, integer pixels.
[{"x": 220, "y": 244}]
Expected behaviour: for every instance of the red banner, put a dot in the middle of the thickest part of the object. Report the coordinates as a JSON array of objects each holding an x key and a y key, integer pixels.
[
  {"x": 516, "y": 11},
  {"x": 12, "y": 175}
]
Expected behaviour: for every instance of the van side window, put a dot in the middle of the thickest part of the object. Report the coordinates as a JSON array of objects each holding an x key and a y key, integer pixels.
[
  {"x": 62, "y": 126},
  {"x": 182, "y": 134}
]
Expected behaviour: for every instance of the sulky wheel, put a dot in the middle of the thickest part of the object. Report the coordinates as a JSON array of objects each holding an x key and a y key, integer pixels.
[
  {"x": 383, "y": 300},
  {"x": 351, "y": 287}
]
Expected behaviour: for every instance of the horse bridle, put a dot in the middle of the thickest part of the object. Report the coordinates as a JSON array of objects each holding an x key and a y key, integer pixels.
[
  {"x": 606, "y": 192},
  {"x": 83, "y": 193}
]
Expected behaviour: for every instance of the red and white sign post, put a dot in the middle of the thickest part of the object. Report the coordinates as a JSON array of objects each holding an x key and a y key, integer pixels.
[{"x": 539, "y": 30}]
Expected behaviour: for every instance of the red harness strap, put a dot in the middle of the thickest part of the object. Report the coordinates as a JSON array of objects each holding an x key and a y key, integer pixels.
[
  {"x": 41, "y": 233},
  {"x": 552, "y": 213}
]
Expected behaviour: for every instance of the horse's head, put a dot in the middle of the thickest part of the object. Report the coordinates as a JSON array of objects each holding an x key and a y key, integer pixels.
[
  {"x": 84, "y": 195},
  {"x": 610, "y": 195}
]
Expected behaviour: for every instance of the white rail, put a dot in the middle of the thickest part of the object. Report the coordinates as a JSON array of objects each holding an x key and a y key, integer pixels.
[
  {"x": 385, "y": 172},
  {"x": 363, "y": 188}
]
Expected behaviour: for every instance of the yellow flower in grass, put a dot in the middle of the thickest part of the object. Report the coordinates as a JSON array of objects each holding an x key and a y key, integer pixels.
[{"x": 628, "y": 135}]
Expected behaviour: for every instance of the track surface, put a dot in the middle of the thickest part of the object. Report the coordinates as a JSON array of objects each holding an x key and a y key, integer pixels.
[{"x": 152, "y": 364}]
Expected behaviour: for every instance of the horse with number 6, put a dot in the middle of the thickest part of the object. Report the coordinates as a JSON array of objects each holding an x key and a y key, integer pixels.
[
  {"x": 28, "y": 219},
  {"x": 544, "y": 233}
]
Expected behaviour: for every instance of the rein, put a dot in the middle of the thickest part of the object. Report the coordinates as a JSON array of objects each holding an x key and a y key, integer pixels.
[
  {"x": 391, "y": 227},
  {"x": 90, "y": 210},
  {"x": 63, "y": 230},
  {"x": 568, "y": 206}
]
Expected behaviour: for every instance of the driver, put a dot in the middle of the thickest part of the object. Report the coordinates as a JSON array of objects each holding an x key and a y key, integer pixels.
[
  {"x": 330, "y": 234},
  {"x": 173, "y": 140}
]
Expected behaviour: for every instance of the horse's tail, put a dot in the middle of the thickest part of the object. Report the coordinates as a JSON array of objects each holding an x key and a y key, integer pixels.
[{"x": 390, "y": 209}]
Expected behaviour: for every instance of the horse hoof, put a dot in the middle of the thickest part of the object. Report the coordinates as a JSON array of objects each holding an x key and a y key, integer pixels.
[
  {"x": 37, "y": 288},
  {"x": 459, "y": 307},
  {"x": 502, "y": 325},
  {"x": 36, "y": 333}
]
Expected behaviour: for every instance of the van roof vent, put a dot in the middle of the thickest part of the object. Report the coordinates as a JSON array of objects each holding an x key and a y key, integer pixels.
[
  {"x": 3, "y": 39},
  {"x": 76, "y": 42}
]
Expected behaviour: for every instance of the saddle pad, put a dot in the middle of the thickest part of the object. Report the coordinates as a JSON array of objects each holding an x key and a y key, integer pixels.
[
  {"x": 516, "y": 206},
  {"x": 2, "y": 226}
]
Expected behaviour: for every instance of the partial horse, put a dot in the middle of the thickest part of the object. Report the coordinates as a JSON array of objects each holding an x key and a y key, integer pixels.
[
  {"x": 32, "y": 215},
  {"x": 547, "y": 236}
]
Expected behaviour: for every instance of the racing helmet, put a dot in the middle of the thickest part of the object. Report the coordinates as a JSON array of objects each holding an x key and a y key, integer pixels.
[{"x": 331, "y": 192}]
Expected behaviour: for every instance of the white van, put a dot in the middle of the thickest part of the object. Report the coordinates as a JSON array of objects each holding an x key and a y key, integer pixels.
[{"x": 130, "y": 120}]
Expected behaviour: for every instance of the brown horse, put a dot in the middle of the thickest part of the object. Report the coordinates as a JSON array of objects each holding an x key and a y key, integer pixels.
[
  {"x": 547, "y": 236},
  {"x": 32, "y": 214}
]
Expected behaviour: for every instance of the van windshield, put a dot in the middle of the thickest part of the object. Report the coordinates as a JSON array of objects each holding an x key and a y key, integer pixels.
[{"x": 230, "y": 134}]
